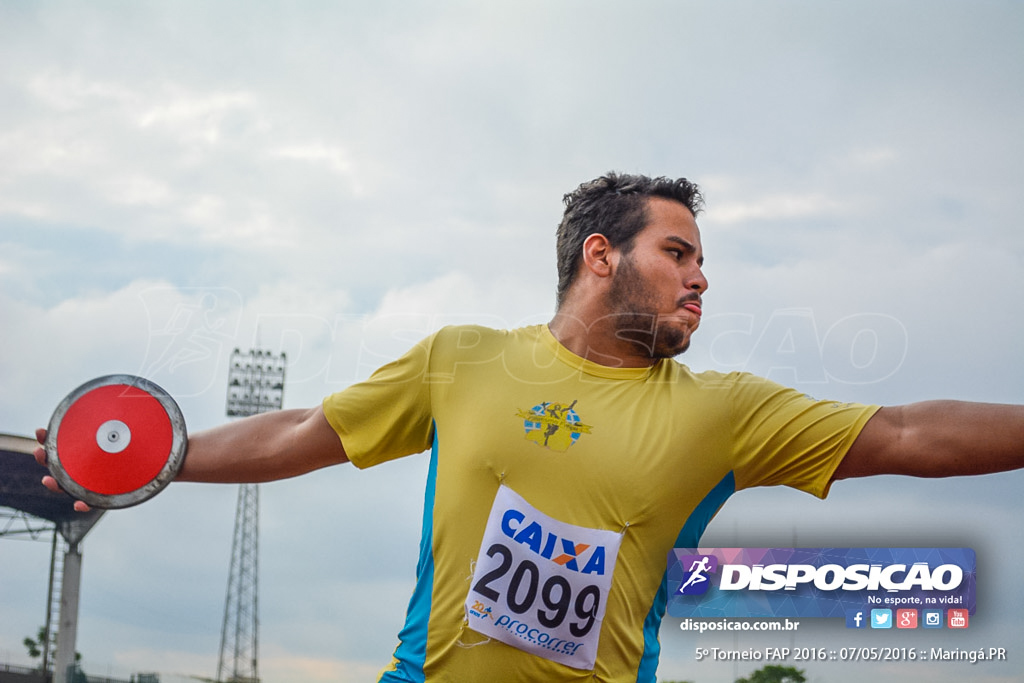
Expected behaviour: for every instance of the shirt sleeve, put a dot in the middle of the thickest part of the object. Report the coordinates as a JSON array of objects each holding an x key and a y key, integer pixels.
[
  {"x": 389, "y": 415},
  {"x": 784, "y": 437}
]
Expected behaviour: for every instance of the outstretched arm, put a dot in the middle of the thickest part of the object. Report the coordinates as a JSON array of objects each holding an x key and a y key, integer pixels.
[
  {"x": 938, "y": 439},
  {"x": 266, "y": 447},
  {"x": 275, "y": 445}
]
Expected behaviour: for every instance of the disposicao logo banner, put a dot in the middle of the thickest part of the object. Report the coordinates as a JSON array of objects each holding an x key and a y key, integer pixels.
[{"x": 817, "y": 582}]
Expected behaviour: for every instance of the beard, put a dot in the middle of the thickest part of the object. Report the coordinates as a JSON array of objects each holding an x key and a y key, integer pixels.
[{"x": 635, "y": 317}]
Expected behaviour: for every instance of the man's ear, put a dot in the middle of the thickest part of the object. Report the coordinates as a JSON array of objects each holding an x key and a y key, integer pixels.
[{"x": 598, "y": 255}]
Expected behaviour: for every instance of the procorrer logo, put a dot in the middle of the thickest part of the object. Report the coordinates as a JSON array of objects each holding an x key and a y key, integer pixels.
[{"x": 822, "y": 582}]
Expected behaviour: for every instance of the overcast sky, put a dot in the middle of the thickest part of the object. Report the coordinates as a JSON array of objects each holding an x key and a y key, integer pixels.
[{"x": 336, "y": 180}]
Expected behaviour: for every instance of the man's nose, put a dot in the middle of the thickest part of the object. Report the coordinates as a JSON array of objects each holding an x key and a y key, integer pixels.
[{"x": 696, "y": 281}]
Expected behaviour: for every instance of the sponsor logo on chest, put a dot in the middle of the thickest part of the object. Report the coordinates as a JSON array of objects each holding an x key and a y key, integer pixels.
[{"x": 577, "y": 557}]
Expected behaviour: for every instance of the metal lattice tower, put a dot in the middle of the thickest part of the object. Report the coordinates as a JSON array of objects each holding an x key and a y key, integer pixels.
[
  {"x": 239, "y": 636},
  {"x": 255, "y": 385},
  {"x": 58, "y": 550}
]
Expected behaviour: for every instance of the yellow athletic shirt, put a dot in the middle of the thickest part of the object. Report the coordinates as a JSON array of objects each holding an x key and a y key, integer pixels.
[{"x": 648, "y": 454}]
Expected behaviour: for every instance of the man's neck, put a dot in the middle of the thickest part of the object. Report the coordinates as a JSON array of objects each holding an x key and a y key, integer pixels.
[{"x": 597, "y": 340}]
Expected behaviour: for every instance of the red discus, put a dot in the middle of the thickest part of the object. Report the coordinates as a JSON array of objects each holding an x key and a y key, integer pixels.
[{"x": 116, "y": 441}]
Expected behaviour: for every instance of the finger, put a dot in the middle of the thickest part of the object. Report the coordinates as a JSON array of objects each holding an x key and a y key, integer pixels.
[
  {"x": 51, "y": 484},
  {"x": 40, "y": 452}
]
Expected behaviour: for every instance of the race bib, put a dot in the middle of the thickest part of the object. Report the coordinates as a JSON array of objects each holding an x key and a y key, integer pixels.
[{"x": 541, "y": 585}]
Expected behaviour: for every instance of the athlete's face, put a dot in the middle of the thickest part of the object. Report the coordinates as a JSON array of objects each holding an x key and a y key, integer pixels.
[{"x": 655, "y": 294}]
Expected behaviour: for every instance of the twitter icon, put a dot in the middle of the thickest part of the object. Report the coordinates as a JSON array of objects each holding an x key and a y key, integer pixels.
[{"x": 881, "y": 618}]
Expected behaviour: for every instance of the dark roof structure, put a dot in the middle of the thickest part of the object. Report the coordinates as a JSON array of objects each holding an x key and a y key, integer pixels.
[{"x": 20, "y": 489}]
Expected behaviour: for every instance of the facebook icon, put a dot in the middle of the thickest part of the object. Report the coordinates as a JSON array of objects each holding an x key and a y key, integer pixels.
[{"x": 855, "y": 618}]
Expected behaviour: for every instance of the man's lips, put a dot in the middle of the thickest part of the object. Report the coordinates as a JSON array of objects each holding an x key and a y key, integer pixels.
[{"x": 693, "y": 307}]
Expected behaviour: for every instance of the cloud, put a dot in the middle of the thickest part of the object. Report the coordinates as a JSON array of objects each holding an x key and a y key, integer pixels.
[{"x": 779, "y": 208}]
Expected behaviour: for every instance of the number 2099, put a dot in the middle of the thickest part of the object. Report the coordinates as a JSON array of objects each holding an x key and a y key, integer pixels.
[{"x": 555, "y": 593}]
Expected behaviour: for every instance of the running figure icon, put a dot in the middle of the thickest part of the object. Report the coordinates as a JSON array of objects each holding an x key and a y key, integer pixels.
[{"x": 697, "y": 571}]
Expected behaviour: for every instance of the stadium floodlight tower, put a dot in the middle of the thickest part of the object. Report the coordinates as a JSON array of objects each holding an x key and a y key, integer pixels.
[{"x": 255, "y": 385}]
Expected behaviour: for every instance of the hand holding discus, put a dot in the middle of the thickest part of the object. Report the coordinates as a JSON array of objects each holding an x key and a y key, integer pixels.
[{"x": 113, "y": 442}]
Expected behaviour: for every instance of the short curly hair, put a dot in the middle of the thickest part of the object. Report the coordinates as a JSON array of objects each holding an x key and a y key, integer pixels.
[{"x": 614, "y": 205}]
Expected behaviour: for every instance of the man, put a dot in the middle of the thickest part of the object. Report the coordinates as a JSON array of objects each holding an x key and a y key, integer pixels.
[{"x": 567, "y": 459}]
